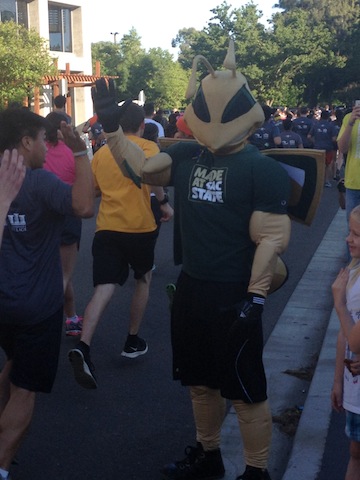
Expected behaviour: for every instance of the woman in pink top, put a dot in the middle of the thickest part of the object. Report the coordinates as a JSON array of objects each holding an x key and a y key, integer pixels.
[{"x": 60, "y": 160}]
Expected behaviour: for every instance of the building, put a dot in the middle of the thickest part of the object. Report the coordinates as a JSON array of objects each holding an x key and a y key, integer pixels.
[{"x": 66, "y": 25}]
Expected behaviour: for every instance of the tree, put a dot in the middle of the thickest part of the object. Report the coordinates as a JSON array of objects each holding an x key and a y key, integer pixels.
[
  {"x": 307, "y": 54},
  {"x": 339, "y": 21},
  {"x": 131, "y": 53},
  {"x": 24, "y": 61},
  {"x": 242, "y": 24},
  {"x": 119, "y": 60},
  {"x": 341, "y": 17},
  {"x": 109, "y": 56},
  {"x": 163, "y": 80},
  {"x": 295, "y": 60}
]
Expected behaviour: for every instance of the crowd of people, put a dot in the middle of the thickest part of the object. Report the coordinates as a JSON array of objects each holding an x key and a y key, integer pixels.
[
  {"x": 304, "y": 128},
  {"x": 301, "y": 127},
  {"x": 48, "y": 184}
]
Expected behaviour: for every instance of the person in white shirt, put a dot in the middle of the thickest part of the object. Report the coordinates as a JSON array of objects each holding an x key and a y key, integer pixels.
[
  {"x": 345, "y": 394},
  {"x": 149, "y": 113}
]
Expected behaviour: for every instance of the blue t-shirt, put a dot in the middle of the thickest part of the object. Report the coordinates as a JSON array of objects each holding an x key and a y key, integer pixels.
[
  {"x": 31, "y": 285},
  {"x": 323, "y": 132},
  {"x": 290, "y": 139},
  {"x": 302, "y": 126},
  {"x": 263, "y": 137}
]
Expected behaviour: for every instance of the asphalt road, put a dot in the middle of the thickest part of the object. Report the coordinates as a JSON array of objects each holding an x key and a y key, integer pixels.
[{"x": 138, "y": 418}]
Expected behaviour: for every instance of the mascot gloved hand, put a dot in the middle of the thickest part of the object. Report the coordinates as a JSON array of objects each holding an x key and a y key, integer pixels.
[
  {"x": 105, "y": 104},
  {"x": 109, "y": 114},
  {"x": 248, "y": 320},
  {"x": 252, "y": 306}
]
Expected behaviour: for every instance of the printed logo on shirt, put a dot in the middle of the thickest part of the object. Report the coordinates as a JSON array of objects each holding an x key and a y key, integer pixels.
[
  {"x": 17, "y": 222},
  {"x": 207, "y": 184}
]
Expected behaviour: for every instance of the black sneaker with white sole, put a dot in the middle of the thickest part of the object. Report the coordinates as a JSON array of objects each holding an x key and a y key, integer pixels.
[
  {"x": 83, "y": 367},
  {"x": 134, "y": 347}
]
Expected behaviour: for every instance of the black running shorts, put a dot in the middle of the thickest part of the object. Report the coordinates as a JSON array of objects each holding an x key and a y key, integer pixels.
[
  {"x": 212, "y": 346},
  {"x": 34, "y": 351},
  {"x": 114, "y": 252}
]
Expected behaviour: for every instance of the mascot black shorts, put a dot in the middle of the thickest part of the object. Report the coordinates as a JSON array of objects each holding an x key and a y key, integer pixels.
[{"x": 212, "y": 346}]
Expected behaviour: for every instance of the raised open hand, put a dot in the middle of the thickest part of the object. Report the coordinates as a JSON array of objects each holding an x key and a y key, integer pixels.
[
  {"x": 105, "y": 104},
  {"x": 12, "y": 174},
  {"x": 72, "y": 138}
]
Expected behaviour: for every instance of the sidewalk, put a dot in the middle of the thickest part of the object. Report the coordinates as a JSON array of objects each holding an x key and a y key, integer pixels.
[{"x": 302, "y": 341}]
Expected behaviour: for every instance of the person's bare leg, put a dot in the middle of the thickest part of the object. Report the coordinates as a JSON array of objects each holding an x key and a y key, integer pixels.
[
  {"x": 68, "y": 254},
  {"x": 69, "y": 300},
  {"x": 353, "y": 469},
  {"x": 95, "y": 308},
  {"x": 14, "y": 423},
  {"x": 80, "y": 355},
  {"x": 328, "y": 173},
  {"x": 138, "y": 302}
]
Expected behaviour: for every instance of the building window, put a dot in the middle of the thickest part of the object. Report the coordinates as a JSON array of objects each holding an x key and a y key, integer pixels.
[
  {"x": 60, "y": 29},
  {"x": 15, "y": 10}
]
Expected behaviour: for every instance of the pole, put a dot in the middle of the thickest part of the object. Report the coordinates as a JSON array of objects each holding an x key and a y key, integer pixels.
[{"x": 114, "y": 33}]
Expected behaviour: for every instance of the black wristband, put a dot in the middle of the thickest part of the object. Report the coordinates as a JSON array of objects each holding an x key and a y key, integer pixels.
[{"x": 164, "y": 200}]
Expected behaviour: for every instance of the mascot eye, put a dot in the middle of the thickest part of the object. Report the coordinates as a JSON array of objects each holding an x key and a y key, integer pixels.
[
  {"x": 239, "y": 105},
  {"x": 200, "y": 106}
]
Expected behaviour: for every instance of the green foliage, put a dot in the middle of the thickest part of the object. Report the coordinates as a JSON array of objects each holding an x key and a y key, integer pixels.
[
  {"x": 308, "y": 53},
  {"x": 163, "y": 80},
  {"x": 24, "y": 61},
  {"x": 110, "y": 57}
]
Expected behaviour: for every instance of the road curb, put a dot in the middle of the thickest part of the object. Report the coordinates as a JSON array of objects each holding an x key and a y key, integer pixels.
[{"x": 309, "y": 443}]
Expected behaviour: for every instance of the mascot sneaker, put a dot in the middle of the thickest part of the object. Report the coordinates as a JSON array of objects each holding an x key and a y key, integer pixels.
[
  {"x": 197, "y": 464},
  {"x": 253, "y": 473}
]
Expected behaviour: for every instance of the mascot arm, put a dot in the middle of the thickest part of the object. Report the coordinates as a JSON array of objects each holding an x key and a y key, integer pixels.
[
  {"x": 131, "y": 159},
  {"x": 271, "y": 233}
]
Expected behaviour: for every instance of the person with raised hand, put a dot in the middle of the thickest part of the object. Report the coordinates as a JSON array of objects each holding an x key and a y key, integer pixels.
[
  {"x": 31, "y": 281},
  {"x": 12, "y": 174},
  {"x": 228, "y": 240}
]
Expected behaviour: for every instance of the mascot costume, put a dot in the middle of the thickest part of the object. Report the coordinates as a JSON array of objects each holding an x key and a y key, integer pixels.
[{"x": 231, "y": 223}]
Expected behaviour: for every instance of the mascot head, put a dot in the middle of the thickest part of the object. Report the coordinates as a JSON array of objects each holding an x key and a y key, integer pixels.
[{"x": 223, "y": 112}]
